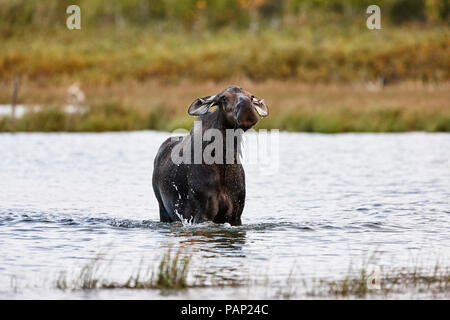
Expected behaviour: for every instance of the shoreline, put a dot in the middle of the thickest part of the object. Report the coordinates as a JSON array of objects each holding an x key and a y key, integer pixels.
[{"x": 294, "y": 106}]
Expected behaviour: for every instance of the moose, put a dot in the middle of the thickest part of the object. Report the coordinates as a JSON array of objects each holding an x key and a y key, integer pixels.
[{"x": 204, "y": 191}]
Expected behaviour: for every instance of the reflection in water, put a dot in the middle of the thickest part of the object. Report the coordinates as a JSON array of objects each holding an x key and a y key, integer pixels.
[
  {"x": 214, "y": 239},
  {"x": 217, "y": 251}
]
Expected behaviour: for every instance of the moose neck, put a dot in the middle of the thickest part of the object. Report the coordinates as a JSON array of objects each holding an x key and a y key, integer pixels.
[{"x": 231, "y": 135}]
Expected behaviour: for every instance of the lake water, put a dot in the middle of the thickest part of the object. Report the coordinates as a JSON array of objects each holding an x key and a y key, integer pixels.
[{"x": 335, "y": 201}]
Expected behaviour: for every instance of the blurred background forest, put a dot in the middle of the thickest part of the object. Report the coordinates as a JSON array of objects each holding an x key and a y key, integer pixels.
[{"x": 138, "y": 64}]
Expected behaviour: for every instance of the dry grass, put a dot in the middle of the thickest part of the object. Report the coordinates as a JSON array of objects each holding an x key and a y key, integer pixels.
[
  {"x": 315, "y": 77},
  {"x": 171, "y": 274},
  {"x": 386, "y": 283},
  {"x": 174, "y": 272},
  {"x": 308, "y": 53},
  {"x": 132, "y": 105}
]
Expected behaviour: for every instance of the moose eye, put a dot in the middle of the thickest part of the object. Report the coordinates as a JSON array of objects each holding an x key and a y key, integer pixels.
[{"x": 224, "y": 99}]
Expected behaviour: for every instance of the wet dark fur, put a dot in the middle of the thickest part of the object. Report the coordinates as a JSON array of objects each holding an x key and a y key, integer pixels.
[{"x": 203, "y": 192}]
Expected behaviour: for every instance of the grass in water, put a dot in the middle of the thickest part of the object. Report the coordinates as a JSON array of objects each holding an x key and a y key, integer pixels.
[
  {"x": 369, "y": 284},
  {"x": 171, "y": 273}
]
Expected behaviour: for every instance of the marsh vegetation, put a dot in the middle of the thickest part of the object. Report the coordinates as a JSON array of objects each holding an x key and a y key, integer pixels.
[
  {"x": 174, "y": 272},
  {"x": 294, "y": 107},
  {"x": 315, "y": 62}
]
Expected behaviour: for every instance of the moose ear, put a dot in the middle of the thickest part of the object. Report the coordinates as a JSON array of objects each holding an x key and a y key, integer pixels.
[
  {"x": 260, "y": 107},
  {"x": 201, "y": 105}
]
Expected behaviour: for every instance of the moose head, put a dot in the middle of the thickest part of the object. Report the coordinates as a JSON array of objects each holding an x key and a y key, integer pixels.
[{"x": 237, "y": 107}]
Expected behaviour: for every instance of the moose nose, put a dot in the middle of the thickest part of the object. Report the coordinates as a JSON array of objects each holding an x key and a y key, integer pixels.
[{"x": 245, "y": 114}]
